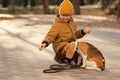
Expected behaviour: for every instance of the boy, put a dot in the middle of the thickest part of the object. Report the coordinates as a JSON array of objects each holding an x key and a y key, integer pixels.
[{"x": 62, "y": 32}]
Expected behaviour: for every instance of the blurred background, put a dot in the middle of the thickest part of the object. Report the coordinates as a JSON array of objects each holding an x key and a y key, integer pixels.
[{"x": 82, "y": 7}]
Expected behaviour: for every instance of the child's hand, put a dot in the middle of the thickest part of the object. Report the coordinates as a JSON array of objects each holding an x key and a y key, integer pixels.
[
  {"x": 42, "y": 46},
  {"x": 86, "y": 30}
]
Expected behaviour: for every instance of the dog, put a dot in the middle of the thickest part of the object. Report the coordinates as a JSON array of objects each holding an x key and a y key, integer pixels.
[{"x": 92, "y": 58}]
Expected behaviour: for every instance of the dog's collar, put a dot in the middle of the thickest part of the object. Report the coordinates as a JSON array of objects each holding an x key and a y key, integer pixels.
[{"x": 77, "y": 48}]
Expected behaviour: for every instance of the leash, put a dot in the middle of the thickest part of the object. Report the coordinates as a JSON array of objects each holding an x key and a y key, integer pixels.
[
  {"x": 57, "y": 68},
  {"x": 80, "y": 58},
  {"x": 53, "y": 68},
  {"x": 77, "y": 48}
]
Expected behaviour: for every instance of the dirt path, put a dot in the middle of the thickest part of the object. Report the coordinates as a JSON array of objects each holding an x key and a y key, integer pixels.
[{"x": 20, "y": 58}]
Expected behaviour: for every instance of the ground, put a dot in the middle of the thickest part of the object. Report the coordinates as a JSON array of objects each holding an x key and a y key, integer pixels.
[{"x": 21, "y": 35}]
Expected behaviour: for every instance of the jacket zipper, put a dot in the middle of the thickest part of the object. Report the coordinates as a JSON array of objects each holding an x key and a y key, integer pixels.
[{"x": 71, "y": 30}]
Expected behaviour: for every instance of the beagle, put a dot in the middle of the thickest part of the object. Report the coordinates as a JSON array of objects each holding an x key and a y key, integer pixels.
[{"x": 92, "y": 58}]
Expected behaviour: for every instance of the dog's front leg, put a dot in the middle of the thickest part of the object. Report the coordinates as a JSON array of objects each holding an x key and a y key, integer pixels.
[{"x": 84, "y": 60}]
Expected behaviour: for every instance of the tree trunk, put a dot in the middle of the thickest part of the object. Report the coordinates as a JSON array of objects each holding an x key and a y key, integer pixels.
[
  {"x": 118, "y": 12},
  {"x": 12, "y": 5},
  {"x": 113, "y": 8},
  {"x": 32, "y": 3},
  {"x": 81, "y": 2},
  {"x": 25, "y": 3},
  {"x": 90, "y": 1},
  {"x": 106, "y": 3},
  {"x": 76, "y": 6},
  {"x": 4, "y": 3},
  {"x": 46, "y": 6}
]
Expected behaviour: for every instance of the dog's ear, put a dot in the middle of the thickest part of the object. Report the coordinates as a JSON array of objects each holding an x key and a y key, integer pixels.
[{"x": 70, "y": 50}]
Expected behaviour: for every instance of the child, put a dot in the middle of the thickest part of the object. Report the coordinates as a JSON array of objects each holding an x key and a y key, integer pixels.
[{"x": 62, "y": 32}]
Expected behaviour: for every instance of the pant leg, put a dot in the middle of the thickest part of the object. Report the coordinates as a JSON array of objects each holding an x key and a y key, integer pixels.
[
  {"x": 60, "y": 56},
  {"x": 75, "y": 58}
]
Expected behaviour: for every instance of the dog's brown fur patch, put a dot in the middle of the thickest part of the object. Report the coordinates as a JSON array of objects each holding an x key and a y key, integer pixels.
[{"x": 93, "y": 54}]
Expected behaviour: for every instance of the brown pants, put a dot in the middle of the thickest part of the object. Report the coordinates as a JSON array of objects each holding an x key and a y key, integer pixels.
[{"x": 60, "y": 57}]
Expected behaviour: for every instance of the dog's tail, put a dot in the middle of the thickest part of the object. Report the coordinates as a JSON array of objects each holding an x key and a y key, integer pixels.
[{"x": 103, "y": 68}]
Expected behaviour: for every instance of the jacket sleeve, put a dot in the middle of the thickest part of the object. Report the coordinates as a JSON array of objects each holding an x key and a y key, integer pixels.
[
  {"x": 79, "y": 33},
  {"x": 51, "y": 35}
]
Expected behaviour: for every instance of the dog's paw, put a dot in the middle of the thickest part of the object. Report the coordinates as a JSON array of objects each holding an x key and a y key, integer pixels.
[
  {"x": 83, "y": 66},
  {"x": 93, "y": 68}
]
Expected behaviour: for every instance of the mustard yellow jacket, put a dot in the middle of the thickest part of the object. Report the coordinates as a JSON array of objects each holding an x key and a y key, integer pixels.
[{"x": 62, "y": 33}]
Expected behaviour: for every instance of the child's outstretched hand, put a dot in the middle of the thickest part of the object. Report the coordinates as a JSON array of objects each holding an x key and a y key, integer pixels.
[
  {"x": 42, "y": 46},
  {"x": 86, "y": 30}
]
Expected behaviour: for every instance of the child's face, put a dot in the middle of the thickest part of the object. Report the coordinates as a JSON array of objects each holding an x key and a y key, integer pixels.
[{"x": 65, "y": 18}]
